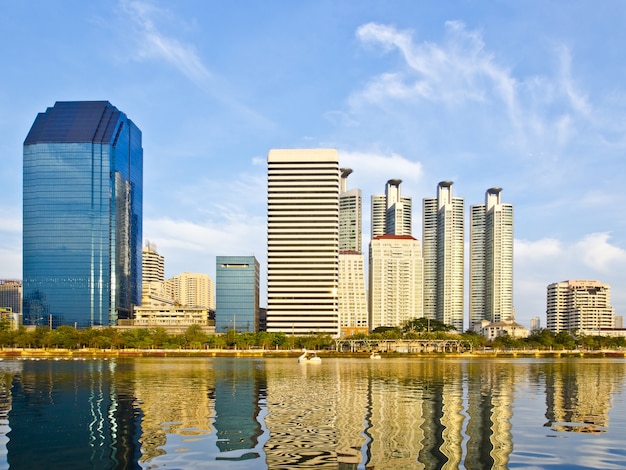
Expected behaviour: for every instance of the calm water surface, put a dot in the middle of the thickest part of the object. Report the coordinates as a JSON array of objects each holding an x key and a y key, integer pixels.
[{"x": 180, "y": 413}]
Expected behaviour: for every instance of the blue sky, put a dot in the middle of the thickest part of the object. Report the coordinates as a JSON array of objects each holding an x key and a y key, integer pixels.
[{"x": 527, "y": 96}]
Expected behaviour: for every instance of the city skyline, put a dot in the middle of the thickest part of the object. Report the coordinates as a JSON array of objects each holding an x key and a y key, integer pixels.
[{"x": 419, "y": 92}]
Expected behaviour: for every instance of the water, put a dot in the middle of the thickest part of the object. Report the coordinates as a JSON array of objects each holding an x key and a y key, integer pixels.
[{"x": 182, "y": 413}]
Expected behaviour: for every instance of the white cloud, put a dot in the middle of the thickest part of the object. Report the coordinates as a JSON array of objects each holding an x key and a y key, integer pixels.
[
  {"x": 157, "y": 45},
  {"x": 456, "y": 71},
  {"x": 598, "y": 254},
  {"x": 460, "y": 82},
  {"x": 193, "y": 246},
  {"x": 377, "y": 165},
  {"x": 542, "y": 262}
]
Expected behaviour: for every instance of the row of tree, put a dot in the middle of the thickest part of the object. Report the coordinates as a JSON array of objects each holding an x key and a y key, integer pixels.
[
  {"x": 150, "y": 338},
  {"x": 195, "y": 338}
]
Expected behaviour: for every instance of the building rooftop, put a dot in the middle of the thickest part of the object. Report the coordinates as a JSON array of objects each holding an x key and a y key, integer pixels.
[{"x": 75, "y": 121}]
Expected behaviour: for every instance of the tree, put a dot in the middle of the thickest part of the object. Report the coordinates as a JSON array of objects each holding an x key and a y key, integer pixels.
[
  {"x": 426, "y": 325},
  {"x": 195, "y": 336},
  {"x": 565, "y": 340}
]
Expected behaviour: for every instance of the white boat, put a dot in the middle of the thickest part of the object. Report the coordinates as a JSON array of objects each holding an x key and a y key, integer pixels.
[
  {"x": 309, "y": 357},
  {"x": 374, "y": 355}
]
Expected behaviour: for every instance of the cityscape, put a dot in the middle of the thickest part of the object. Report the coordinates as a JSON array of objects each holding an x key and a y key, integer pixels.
[
  {"x": 330, "y": 234},
  {"x": 517, "y": 124},
  {"x": 84, "y": 265}
]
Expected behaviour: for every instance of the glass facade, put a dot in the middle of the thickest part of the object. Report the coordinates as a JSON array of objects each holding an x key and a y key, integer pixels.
[
  {"x": 82, "y": 216},
  {"x": 237, "y": 294}
]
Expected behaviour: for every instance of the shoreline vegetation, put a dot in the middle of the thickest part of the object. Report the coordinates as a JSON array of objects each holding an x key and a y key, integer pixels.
[
  {"x": 417, "y": 338},
  {"x": 95, "y": 353}
]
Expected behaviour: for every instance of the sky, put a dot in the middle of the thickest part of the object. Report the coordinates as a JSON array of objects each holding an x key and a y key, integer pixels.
[{"x": 526, "y": 96}]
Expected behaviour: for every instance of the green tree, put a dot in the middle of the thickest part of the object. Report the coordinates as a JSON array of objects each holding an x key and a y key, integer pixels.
[
  {"x": 564, "y": 340},
  {"x": 195, "y": 336},
  {"x": 425, "y": 325}
]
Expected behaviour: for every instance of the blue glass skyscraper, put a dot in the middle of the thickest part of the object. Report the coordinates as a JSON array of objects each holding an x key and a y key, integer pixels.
[
  {"x": 236, "y": 293},
  {"x": 82, "y": 215}
]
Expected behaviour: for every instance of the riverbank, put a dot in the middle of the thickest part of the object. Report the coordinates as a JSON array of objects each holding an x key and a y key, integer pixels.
[{"x": 90, "y": 353}]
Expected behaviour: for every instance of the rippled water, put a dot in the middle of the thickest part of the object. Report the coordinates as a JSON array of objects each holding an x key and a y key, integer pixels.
[{"x": 181, "y": 413}]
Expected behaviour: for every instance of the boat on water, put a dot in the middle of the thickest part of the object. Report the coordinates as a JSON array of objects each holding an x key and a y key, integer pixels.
[
  {"x": 309, "y": 357},
  {"x": 374, "y": 355}
]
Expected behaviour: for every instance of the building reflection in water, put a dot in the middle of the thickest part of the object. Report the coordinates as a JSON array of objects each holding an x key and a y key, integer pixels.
[
  {"x": 578, "y": 400},
  {"x": 66, "y": 407},
  {"x": 344, "y": 414},
  {"x": 239, "y": 387},
  {"x": 175, "y": 398},
  {"x": 490, "y": 409},
  {"x": 7, "y": 371}
]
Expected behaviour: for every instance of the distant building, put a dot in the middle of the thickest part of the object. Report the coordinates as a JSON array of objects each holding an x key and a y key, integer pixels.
[
  {"x": 391, "y": 212},
  {"x": 443, "y": 251},
  {"x": 577, "y": 305},
  {"x": 351, "y": 292},
  {"x": 303, "y": 241},
  {"x": 535, "y": 324},
  {"x": 493, "y": 330},
  {"x": 82, "y": 216},
  {"x": 11, "y": 295},
  {"x": 350, "y": 215},
  {"x": 237, "y": 294},
  {"x": 491, "y": 260},
  {"x": 152, "y": 264},
  {"x": 11, "y": 318},
  {"x": 175, "y": 319},
  {"x": 395, "y": 280},
  {"x": 191, "y": 290}
]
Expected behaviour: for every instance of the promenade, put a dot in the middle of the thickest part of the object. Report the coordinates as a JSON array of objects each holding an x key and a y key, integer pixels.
[{"x": 94, "y": 353}]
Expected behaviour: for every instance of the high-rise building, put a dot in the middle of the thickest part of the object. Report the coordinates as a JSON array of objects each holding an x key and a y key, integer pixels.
[
  {"x": 395, "y": 280},
  {"x": 82, "y": 216},
  {"x": 236, "y": 293},
  {"x": 579, "y": 305},
  {"x": 351, "y": 293},
  {"x": 535, "y": 324},
  {"x": 303, "y": 241},
  {"x": 152, "y": 264},
  {"x": 350, "y": 215},
  {"x": 391, "y": 212},
  {"x": 443, "y": 250},
  {"x": 491, "y": 260},
  {"x": 11, "y": 295},
  {"x": 191, "y": 290}
]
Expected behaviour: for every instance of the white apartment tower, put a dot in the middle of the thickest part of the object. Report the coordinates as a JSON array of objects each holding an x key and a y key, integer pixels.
[
  {"x": 391, "y": 212},
  {"x": 395, "y": 280},
  {"x": 579, "y": 305},
  {"x": 192, "y": 290},
  {"x": 152, "y": 264},
  {"x": 351, "y": 293},
  {"x": 303, "y": 241},
  {"x": 443, "y": 252},
  {"x": 491, "y": 260}
]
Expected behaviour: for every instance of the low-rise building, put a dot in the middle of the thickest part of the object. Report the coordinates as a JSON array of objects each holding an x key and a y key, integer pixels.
[{"x": 501, "y": 328}]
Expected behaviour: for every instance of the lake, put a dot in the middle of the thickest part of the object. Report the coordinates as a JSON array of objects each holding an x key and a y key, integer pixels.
[{"x": 255, "y": 413}]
